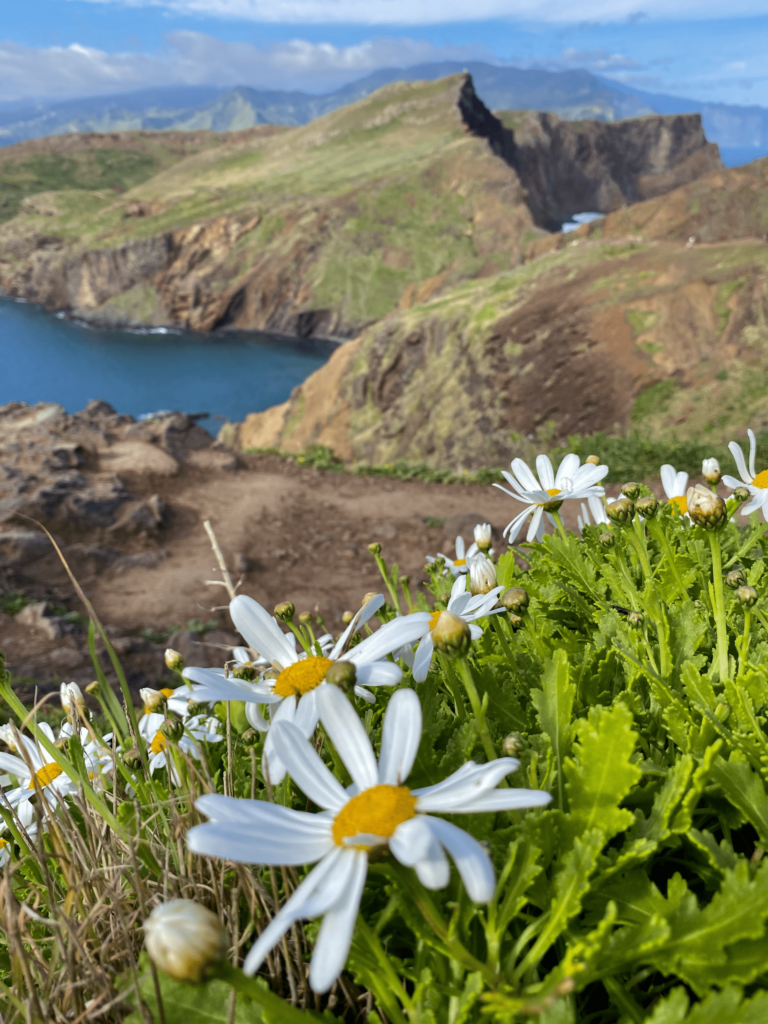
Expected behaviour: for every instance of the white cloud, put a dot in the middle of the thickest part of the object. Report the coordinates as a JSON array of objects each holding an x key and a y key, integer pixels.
[
  {"x": 431, "y": 12},
  {"x": 193, "y": 58}
]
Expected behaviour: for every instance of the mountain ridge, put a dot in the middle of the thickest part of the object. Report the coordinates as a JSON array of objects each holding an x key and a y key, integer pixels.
[{"x": 572, "y": 94}]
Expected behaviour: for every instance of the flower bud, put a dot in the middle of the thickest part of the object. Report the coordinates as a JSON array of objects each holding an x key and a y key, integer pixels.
[
  {"x": 247, "y": 672},
  {"x": 93, "y": 688},
  {"x": 607, "y": 540},
  {"x": 515, "y": 620},
  {"x": 515, "y": 599},
  {"x": 405, "y": 580},
  {"x": 710, "y": 470},
  {"x": 342, "y": 674},
  {"x": 347, "y": 617},
  {"x": 132, "y": 759},
  {"x": 482, "y": 575},
  {"x": 285, "y": 611},
  {"x": 250, "y": 737},
  {"x": 635, "y": 619},
  {"x": 747, "y": 596},
  {"x": 451, "y": 635},
  {"x": 736, "y": 578},
  {"x": 8, "y": 737},
  {"x": 631, "y": 490},
  {"x": 375, "y": 549},
  {"x": 592, "y": 460},
  {"x": 741, "y": 494},
  {"x": 153, "y": 700},
  {"x": 184, "y": 939},
  {"x": 174, "y": 660},
  {"x": 620, "y": 511},
  {"x": 194, "y": 709},
  {"x": 72, "y": 698},
  {"x": 705, "y": 508},
  {"x": 648, "y": 507},
  {"x": 305, "y": 618},
  {"x": 511, "y": 745},
  {"x": 483, "y": 537},
  {"x": 368, "y": 597},
  {"x": 172, "y": 729}
]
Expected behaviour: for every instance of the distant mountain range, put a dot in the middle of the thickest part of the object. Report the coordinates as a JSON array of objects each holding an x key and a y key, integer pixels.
[{"x": 574, "y": 95}]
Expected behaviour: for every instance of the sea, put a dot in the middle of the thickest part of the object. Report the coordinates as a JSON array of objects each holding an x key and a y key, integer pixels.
[{"x": 45, "y": 357}]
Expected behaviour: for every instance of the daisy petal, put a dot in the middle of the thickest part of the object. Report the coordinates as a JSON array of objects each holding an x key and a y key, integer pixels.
[
  {"x": 503, "y": 800},
  {"x": 415, "y": 846},
  {"x": 473, "y": 863},
  {"x": 380, "y": 673},
  {"x": 423, "y": 658},
  {"x": 305, "y": 766},
  {"x": 319, "y": 891},
  {"x": 524, "y": 475},
  {"x": 261, "y": 631},
  {"x": 741, "y": 465},
  {"x": 335, "y": 935},
  {"x": 404, "y": 630},
  {"x": 348, "y": 735},
  {"x": 752, "y": 453},
  {"x": 361, "y": 617},
  {"x": 251, "y": 844},
  {"x": 400, "y": 737}
]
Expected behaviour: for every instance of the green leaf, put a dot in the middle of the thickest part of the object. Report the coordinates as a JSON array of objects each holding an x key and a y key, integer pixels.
[
  {"x": 729, "y": 1007},
  {"x": 506, "y": 570},
  {"x": 671, "y": 1010},
  {"x": 743, "y": 788},
  {"x": 554, "y": 707},
  {"x": 698, "y": 688},
  {"x": 602, "y": 775}
]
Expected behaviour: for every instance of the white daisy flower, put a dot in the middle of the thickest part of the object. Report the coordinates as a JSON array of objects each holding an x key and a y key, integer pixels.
[
  {"x": 25, "y": 817},
  {"x": 676, "y": 487},
  {"x": 547, "y": 494},
  {"x": 292, "y": 693},
  {"x": 457, "y": 566},
  {"x": 461, "y": 604},
  {"x": 377, "y": 810},
  {"x": 198, "y": 728},
  {"x": 592, "y": 512},
  {"x": 45, "y": 771},
  {"x": 98, "y": 758},
  {"x": 756, "y": 483}
]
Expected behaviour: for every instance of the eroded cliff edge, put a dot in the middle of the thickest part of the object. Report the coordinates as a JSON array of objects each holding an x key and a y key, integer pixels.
[{"x": 325, "y": 229}]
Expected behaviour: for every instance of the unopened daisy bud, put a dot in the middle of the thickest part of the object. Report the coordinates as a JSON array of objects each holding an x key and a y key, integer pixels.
[
  {"x": 250, "y": 737},
  {"x": 515, "y": 599},
  {"x": 71, "y": 697},
  {"x": 368, "y": 597},
  {"x": 483, "y": 537},
  {"x": 172, "y": 729},
  {"x": 405, "y": 580},
  {"x": 592, "y": 460},
  {"x": 347, "y": 617},
  {"x": 285, "y": 611},
  {"x": 153, "y": 700},
  {"x": 705, "y": 508},
  {"x": 375, "y": 549},
  {"x": 451, "y": 635},
  {"x": 747, "y": 596},
  {"x": 736, "y": 578},
  {"x": 635, "y": 619},
  {"x": 710, "y": 470},
  {"x": 621, "y": 511},
  {"x": 185, "y": 939},
  {"x": 8, "y": 737},
  {"x": 132, "y": 759},
  {"x": 647, "y": 507},
  {"x": 511, "y": 745},
  {"x": 195, "y": 709},
  {"x": 516, "y": 621},
  {"x": 342, "y": 674},
  {"x": 741, "y": 494},
  {"x": 631, "y": 490},
  {"x": 93, "y": 688},
  {"x": 607, "y": 540},
  {"x": 174, "y": 660},
  {"x": 482, "y": 575},
  {"x": 244, "y": 672},
  {"x": 305, "y": 618}
]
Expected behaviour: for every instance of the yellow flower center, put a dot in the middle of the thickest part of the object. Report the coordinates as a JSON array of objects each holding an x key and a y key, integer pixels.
[
  {"x": 761, "y": 480},
  {"x": 460, "y": 561},
  {"x": 46, "y": 774},
  {"x": 433, "y": 618},
  {"x": 376, "y": 811},
  {"x": 159, "y": 743},
  {"x": 552, "y": 491},
  {"x": 680, "y": 503},
  {"x": 302, "y": 677},
  {"x": 167, "y": 692},
  {"x": 4, "y": 842}
]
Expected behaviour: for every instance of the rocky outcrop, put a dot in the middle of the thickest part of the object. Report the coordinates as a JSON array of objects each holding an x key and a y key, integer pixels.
[
  {"x": 331, "y": 226},
  {"x": 569, "y": 167}
]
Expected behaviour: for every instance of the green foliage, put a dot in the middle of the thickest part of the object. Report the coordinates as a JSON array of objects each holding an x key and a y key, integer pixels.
[{"x": 12, "y": 601}]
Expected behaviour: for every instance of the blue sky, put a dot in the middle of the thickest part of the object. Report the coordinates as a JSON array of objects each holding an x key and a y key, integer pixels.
[{"x": 91, "y": 47}]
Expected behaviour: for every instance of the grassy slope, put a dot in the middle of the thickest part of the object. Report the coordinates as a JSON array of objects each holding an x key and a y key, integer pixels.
[{"x": 387, "y": 193}]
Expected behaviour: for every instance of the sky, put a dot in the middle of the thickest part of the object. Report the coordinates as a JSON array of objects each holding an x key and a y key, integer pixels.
[{"x": 75, "y": 48}]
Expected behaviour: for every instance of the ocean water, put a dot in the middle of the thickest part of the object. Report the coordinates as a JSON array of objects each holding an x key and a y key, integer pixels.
[{"x": 45, "y": 358}]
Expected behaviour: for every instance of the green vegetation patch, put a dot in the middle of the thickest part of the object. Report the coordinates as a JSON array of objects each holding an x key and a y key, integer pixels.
[{"x": 641, "y": 320}]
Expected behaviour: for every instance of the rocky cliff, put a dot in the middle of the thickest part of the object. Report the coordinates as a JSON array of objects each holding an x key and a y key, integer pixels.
[{"x": 327, "y": 228}]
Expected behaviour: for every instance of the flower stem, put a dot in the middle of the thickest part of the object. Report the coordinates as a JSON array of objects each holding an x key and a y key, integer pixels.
[
  {"x": 717, "y": 583},
  {"x": 388, "y": 984},
  {"x": 561, "y": 528},
  {"x": 657, "y": 531},
  {"x": 275, "y": 1008},
  {"x": 744, "y": 648},
  {"x": 453, "y": 686},
  {"x": 465, "y": 671}
]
